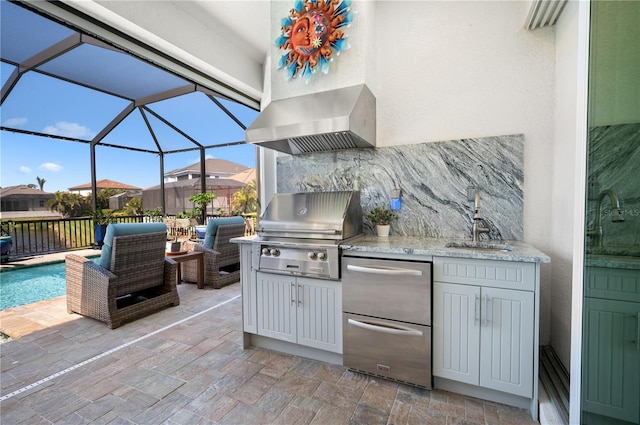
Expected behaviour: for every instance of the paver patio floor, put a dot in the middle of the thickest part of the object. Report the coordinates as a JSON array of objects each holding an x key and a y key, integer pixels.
[{"x": 186, "y": 365}]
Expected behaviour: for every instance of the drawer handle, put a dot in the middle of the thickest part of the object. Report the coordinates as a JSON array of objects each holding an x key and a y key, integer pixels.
[
  {"x": 384, "y": 270},
  {"x": 381, "y": 327}
]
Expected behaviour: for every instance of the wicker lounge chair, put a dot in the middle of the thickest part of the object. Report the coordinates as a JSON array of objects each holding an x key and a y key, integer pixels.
[
  {"x": 221, "y": 257},
  {"x": 133, "y": 280}
]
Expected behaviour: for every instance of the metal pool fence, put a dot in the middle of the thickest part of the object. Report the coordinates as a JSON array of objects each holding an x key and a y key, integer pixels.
[{"x": 30, "y": 237}]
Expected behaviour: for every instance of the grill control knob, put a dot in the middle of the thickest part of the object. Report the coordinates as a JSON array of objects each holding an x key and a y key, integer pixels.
[
  {"x": 311, "y": 255},
  {"x": 265, "y": 251},
  {"x": 322, "y": 256},
  {"x": 275, "y": 252}
]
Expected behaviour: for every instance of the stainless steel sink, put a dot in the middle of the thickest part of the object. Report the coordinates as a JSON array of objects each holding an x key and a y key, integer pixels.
[{"x": 485, "y": 246}]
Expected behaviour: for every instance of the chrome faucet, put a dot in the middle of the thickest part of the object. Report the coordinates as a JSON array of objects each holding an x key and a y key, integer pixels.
[
  {"x": 596, "y": 231},
  {"x": 477, "y": 228}
]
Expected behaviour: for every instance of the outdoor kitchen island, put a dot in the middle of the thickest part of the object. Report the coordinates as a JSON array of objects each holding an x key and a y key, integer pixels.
[{"x": 485, "y": 311}]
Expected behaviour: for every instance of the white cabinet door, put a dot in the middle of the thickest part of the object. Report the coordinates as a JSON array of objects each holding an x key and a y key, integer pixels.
[
  {"x": 611, "y": 385},
  {"x": 506, "y": 341},
  {"x": 319, "y": 313},
  {"x": 249, "y": 290},
  {"x": 484, "y": 336},
  {"x": 276, "y": 306},
  {"x": 300, "y": 310},
  {"x": 456, "y": 332}
]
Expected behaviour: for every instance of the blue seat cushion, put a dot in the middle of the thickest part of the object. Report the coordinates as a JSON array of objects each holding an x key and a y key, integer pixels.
[
  {"x": 122, "y": 229},
  {"x": 212, "y": 228}
]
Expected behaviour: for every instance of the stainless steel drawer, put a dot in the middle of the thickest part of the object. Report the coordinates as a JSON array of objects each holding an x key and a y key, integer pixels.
[
  {"x": 389, "y": 349},
  {"x": 391, "y": 289}
]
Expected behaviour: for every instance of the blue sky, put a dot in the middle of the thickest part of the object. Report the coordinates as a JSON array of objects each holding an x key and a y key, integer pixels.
[{"x": 44, "y": 105}]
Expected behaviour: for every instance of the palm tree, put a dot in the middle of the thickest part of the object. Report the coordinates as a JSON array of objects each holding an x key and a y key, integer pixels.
[
  {"x": 134, "y": 206},
  {"x": 41, "y": 183},
  {"x": 58, "y": 203},
  {"x": 246, "y": 199},
  {"x": 70, "y": 204}
]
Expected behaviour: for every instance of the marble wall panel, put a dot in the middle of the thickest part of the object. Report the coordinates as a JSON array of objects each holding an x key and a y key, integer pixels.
[
  {"x": 434, "y": 179},
  {"x": 614, "y": 163}
]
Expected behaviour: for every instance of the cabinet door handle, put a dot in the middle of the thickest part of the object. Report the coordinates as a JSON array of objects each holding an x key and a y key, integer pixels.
[
  {"x": 487, "y": 303},
  {"x": 298, "y": 295},
  {"x": 484, "y": 314},
  {"x": 291, "y": 293},
  {"x": 389, "y": 271},
  {"x": 477, "y": 308}
]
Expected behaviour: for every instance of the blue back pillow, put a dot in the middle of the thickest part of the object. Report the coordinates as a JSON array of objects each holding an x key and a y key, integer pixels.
[
  {"x": 122, "y": 229},
  {"x": 212, "y": 228}
]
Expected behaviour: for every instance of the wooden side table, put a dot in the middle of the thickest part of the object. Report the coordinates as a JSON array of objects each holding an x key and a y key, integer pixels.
[{"x": 182, "y": 256}]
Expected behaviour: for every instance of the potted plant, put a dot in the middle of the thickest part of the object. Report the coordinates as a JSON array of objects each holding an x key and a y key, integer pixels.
[
  {"x": 100, "y": 222},
  {"x": 174, "y": 246},
  {"x": 6, "y": 241},
  {"x": 381, "y": 217},
  {"x": 201, "y": 200}
]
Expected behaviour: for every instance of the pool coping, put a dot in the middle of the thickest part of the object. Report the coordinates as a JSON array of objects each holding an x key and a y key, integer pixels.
[{"x": 41, "y": 259}]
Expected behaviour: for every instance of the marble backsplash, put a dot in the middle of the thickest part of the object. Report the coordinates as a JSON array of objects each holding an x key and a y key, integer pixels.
[
  {"x": 434, "y": 179},
  {"x": 614, "y": 159}
]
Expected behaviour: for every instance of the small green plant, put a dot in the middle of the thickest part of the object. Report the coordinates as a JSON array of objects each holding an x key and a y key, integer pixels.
[
  {"x": 155, "y": 214},
  {"x": 7, "y": 227},
  {"x": 101, "y": 217},
  {"x": 381, "y": 215},
  {"x": 201, "y": 200}
]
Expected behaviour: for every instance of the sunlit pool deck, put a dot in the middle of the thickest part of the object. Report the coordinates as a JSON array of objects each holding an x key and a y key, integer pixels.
[{"x": 186, "y": 365}]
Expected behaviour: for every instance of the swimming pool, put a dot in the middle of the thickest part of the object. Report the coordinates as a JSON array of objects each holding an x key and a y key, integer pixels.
[{"x": 31, "y": 284}]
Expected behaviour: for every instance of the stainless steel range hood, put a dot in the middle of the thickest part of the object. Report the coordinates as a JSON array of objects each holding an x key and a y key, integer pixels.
[{"x": 332, "y": 120}]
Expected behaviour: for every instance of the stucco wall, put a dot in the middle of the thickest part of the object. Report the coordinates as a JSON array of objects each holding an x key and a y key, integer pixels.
[{"x": 454, "y": 70}]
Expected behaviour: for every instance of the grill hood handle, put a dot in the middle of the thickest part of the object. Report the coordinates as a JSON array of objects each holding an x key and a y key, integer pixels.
[{"x": 324, "y": 232}]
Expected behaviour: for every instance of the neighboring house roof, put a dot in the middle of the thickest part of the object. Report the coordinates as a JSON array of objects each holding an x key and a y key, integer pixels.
[
  {"x": 211, "y": 165},
  {"x": 246, "y": 176},
  {"x": 105, "y": 184},
  {"x": 22, "y": 191},
  {"x": 195, "y": 183}
]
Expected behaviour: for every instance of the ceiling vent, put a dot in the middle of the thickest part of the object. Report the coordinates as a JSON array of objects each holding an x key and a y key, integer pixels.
[{"x": 544, "y": 13}]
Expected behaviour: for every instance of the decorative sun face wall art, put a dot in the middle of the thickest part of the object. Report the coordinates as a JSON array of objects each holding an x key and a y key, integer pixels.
[{"x": 310, "y": 36}]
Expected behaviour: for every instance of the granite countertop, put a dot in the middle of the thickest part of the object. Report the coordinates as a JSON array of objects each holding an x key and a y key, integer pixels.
[
  {"x": 246, "y": 239},
  {"x": 612, "y": 261},
  {"x": 520, "y": 251},
  {"x": 613, "y": 257}
]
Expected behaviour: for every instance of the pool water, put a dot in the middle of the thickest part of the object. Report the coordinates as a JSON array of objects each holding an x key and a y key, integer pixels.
[{"x": 31, "y": 284}]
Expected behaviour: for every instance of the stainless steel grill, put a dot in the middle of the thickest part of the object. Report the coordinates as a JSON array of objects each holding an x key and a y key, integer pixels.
[{"x": 301, "y": 232}]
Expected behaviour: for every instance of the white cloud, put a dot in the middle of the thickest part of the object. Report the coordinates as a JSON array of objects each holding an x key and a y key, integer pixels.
[
  {"x": 15, "y": 122},
  {"x": 69, "y": 129},
  {"x": 24, "y": 169},
  {"x": 50, "y": 166},
  {"x": 196, "y": 160}
]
